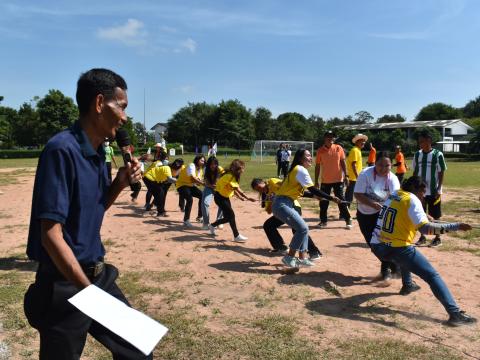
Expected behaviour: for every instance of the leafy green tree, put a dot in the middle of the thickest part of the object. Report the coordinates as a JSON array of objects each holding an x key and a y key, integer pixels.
[
  {"x": 56, "y": 112},
  {"x": 26, "y": 128},
  {"x": 140, "y": 132},
  {"x": 1, "y": 99},
  {"x": 8, "y": 117},
  {"x": 434, "y": 133},
  {"x": 474, "y": 146},
  {"x": 236, "y": 124},
  {"x": 193, "y": 125},
  {"x": 363, "y": 117},
  {"x": 318, "y": 126},
  {"x": 472, "y": 109},
  {"x": 263, "y": 123},
  {"x": 293, "y": 126},
  {"x": 438, "y": 111},
  {"x": 390, "y": 119},
  {"x": 128, "y": 126}
]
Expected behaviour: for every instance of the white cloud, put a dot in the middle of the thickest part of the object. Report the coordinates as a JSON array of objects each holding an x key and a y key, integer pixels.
[
  {"x": 403, "y": 35},
  {"x": 132, "y": 33},
  {"x": 189, "y": 45}
]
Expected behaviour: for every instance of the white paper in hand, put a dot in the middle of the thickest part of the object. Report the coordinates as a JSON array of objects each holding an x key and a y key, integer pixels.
[{"x": 135, "y": 327}]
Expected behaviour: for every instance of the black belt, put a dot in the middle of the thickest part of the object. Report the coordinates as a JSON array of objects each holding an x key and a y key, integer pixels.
[{"x": 91, "y": 270}]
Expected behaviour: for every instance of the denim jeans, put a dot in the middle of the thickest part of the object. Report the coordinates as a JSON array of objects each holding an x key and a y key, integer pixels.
[
  {"x": 284, "y": 210},
  {"x": 207, "y": 197},
  {"x": 410, "y": 261}
]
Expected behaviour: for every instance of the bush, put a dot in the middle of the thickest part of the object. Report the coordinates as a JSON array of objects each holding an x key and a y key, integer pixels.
[{"x": 20, "y": 154}]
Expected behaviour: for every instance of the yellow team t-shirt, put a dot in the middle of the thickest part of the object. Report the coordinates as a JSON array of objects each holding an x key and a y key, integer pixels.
[
  {"x": 273, "y": 185},
  {"x": 185, "y": 175},
  {"x": 400, "y": 218},
  {"x": 355, "y": 155},
  {"x": 159, "y": 174},
  {"x": 296, "y": 182},
  {"x": 226, "y": 185}
]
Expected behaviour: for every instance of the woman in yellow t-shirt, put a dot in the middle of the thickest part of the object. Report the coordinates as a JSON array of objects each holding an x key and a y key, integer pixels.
[
  {"x": 158, "y": 179},
  {"x": 267, "y": 189},
  {"x": 297, "y": 181},
  {"x": 401, "y": 216},
  {"x": 188, "y": 179},
  {"x": 226, "y": 187}
]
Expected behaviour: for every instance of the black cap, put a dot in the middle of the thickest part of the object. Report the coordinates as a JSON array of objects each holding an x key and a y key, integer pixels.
[{"x": 329, "y": 133}]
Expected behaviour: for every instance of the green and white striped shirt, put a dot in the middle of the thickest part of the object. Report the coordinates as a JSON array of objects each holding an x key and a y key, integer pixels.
[{"x": 427, "y": 166}]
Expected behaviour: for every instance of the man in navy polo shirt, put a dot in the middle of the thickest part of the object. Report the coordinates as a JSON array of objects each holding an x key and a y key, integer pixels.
[{"x": 72, "y": 191}]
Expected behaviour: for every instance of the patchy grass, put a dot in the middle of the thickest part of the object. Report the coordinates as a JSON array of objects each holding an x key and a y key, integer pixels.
[
  {"x": 389, "y": 349},
  {"x": 11, "y": 178}
]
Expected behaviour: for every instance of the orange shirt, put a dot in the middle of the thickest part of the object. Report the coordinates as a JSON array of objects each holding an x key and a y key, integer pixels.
[
  {"x": 401, "y": 169},
  {"x": 329, "y": 160},
  {"x": 372, "y": 156}
]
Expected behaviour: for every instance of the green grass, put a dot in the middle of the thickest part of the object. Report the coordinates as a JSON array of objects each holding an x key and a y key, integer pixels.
[
  {"x": 459, "y": 174},
  {"x": 389, "y": 349}
]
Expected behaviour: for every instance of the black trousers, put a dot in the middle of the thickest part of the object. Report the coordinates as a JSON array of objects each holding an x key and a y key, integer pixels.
[
  {"x": 349, "y": 192},
  {"x": 367, "y": 224},
  {"x": 228, "y": 215},
  {"x": 271, "y": 226},
  {"x": 279, "y": 167},
  {"x": 135, "y": 187},
  {"x": 188, "y": 193},
  {"x": 109, "y": 170},
  {"x": 63, "y": 329},
  {"x": 400, "y": 177},
  {"x": 284, "y": 165},
  {"x": 158, "y": 192},
  {"x": 338, "y": 192}
]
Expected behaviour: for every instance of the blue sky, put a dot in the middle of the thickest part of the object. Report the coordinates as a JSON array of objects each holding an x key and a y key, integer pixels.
[{"x": 324, "y": 57}]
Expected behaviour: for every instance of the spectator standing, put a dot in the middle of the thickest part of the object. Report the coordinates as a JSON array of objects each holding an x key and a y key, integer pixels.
[
  {"x": 330, "y": 160},
  {"x": 400, "y": 164},
  {"x": 278, "y": 159},
  {"x": 109, "y": 158},
  {"x": 429, "y": 164},
  {"x": 372, "y": 155},
  {"x": 354, "y": 164}
]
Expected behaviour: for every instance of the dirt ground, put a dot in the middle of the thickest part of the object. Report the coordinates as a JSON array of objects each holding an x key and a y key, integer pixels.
[{"x": 340, "y": 294}]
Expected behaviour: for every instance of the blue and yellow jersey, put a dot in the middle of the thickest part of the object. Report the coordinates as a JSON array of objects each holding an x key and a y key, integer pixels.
[
  {"x": 296, "y": 182},
  {"x": 158, "y": 174},
  {"x": 226, "y": 185},
  {"x": 400, "y": 218}
]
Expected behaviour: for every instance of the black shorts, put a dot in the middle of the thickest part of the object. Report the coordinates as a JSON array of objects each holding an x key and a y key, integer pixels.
[{"x": 432, "y": 206}]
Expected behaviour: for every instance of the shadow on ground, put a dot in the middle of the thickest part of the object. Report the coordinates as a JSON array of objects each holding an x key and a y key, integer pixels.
[
  {"x": 17, "y": 263},
  {"x": 362, "y": 308}
]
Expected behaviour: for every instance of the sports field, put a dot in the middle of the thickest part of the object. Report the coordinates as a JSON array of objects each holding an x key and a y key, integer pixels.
[{"x": 225, "y": 300}]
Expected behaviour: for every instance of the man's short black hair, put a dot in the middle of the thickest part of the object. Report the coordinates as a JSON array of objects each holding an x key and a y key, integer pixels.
[
  {"x": 94, "y": 82},
  {"x": 425, "y": 134}
]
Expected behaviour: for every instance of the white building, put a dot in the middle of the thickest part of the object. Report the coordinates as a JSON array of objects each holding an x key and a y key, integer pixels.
[
  {"x": 160, "y": 131},
  {"x": 453, "y": 131}
]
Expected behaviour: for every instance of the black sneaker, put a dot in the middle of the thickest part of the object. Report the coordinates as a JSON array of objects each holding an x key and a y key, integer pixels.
[
  {"x": 408, "y": 289},
  {"x": 460, "y": 318},
  {"x": 435, "y": 242},
  {"x": 422, "y": 241}
]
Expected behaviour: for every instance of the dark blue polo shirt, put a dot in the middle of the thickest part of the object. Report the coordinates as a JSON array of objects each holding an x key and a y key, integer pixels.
[{"x": 71, "y": 187}]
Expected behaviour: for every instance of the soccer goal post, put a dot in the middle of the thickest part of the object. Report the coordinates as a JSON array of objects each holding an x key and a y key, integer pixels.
[{"x": 266, "y": 150}]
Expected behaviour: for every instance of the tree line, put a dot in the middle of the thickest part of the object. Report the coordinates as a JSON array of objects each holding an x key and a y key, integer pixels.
[{"x": 230, "y": 123}]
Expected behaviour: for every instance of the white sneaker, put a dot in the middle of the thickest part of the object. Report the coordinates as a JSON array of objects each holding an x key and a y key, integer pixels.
[
  {"x": 188, "y": 224},
  {"x": 220, "y": 226},
  {"x": 205, "y": 227},
  {"x": 240, "y": 238},
  {"x": 212, "y": 230}
]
